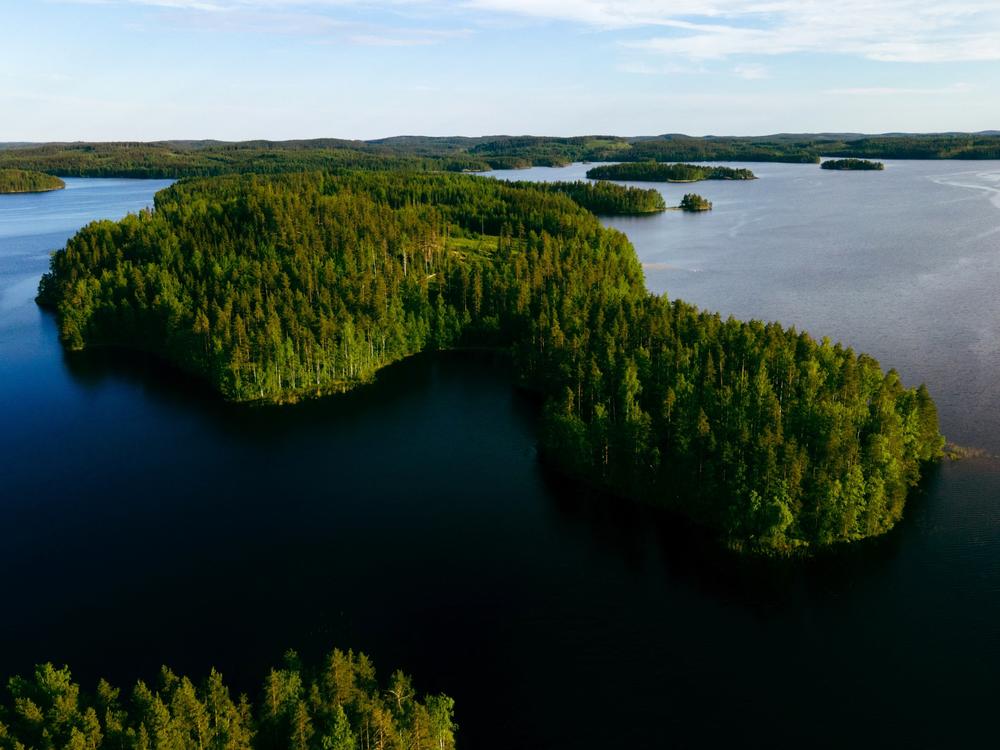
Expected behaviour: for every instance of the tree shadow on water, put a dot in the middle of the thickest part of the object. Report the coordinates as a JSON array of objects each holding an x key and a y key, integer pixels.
[{"x": 656, "y": 542}]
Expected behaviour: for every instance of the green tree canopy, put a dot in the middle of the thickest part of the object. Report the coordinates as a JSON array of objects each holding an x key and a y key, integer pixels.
[{"x": 278, "y": 288}]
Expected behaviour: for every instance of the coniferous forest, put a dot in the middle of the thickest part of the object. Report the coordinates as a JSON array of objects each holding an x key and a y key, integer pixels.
[
  {"x": 276, "y": 288},
  {"x": 606, "y": 198},
  {"x": 339, "y": 706},
  {"x": 173, "y": 159},
  {"x": 614, "y": 428},
  {"x": 24, "y": 181},
  {"x": 853, "y": 165},
  {"x": 692, "y": 202},
  {"x": 652, "y": 171}
]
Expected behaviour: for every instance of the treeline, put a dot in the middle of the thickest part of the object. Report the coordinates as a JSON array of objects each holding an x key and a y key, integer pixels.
[
  {"x": 683, "y": 148},
  {"x": 518, "y": 152},
  {"x": 651, "y": 171},
  {"x": 340, "y": 706},
  {"x": 853, "y": 164},
  {"x": 606, "y": 198},
  {"x": 274, "y": 288},
  {"x": 24, "y": 181},
  {"x": 930, "y": 146},
  {"x": 174, "y": 159}
]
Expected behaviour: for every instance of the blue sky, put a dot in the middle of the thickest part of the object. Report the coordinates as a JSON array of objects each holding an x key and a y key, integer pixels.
[{"x": 239, "y": 69}]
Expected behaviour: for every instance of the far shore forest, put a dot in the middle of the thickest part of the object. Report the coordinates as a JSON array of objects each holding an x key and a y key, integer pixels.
[{"x": 174, "y": 159}]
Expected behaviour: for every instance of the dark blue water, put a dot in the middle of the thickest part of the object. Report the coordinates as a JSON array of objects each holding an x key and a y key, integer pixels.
[{"x": 142, "y": 521}]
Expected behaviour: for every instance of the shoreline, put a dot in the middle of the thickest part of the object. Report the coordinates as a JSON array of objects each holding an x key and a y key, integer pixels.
[{"x": 30, "y": 192}]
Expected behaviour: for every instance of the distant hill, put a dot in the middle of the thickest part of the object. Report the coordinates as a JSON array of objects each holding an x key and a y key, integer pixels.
[{"x": 185, "y": 158}]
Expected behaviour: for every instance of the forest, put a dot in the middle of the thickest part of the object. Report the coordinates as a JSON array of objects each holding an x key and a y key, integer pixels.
[
  {"x": 277, "y": 288},
  {"x": 24, "y": 181},
  {"x": 853, "y": 165},
  {"x": 179, "y": 159},
  {"x": 340, "y": 705},
  {"x": 651, "y": 171},
  {"x": 606, "y": 198},
  {"x": 174, "y": 159},
  {"x": 693, "y": 202}
]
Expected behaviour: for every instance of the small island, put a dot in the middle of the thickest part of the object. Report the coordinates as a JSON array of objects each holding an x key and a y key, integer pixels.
[
  {"x": 653, "y": 171},
  {"x": 860, "y": 165},
  {"x": 24, "y": 181},
  {"x": 693, "y": 202}
]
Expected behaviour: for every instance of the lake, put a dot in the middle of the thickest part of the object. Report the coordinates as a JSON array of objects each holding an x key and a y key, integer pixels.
[{"x": 143, "y": 521}]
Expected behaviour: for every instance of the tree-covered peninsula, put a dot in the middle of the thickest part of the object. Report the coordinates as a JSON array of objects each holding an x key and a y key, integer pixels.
[
  {"x": 25, "y": 181},
  {"x": 337, "y": 706},
  {"x": 694, "y": 203},
  {"x": 861, "y": 165},
  {"x": 274, "y": 288},
  {"x": 651, "y": 171},
  {"x": 607, "y": 198}
]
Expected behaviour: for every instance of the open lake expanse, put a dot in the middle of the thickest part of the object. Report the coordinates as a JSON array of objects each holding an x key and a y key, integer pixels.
[{"x": 144, "y": 521}]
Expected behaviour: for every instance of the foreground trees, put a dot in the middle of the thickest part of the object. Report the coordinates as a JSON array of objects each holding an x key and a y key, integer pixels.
[
  {"x": 339, "y": 706},
  {"x": 275, "y": 288}
]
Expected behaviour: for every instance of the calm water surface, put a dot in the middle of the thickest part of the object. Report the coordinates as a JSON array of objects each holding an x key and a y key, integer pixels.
[{"x": 142, "y": 521}]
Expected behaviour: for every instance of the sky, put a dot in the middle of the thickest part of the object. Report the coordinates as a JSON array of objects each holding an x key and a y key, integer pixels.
[{"x": 281, "y": 69}]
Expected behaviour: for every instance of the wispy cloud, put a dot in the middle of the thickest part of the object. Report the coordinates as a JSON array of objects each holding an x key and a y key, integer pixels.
[
  {"x": 889, "y": 30},
  {"x": 752, "y": 72},
  {"x": 408, "y": 37},
  {"x": 336, "y": 21},
  {"x": 957, "y": 88},
  {"x": 903, "y": 31},
  {"x": 657, "y": 68}
]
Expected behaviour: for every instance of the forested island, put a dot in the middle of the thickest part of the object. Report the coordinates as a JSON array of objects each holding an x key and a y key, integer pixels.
[
  {"x": 276, "y": 288},
  {"x": 693, "y": 202},
  {"x": 853, "y": 165},
  {"x": 651, "y": 171},
  {"x": 25, "y": 181},
  {"x": 338, "y": 706},
  {"x": 173, "y": 159}
]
